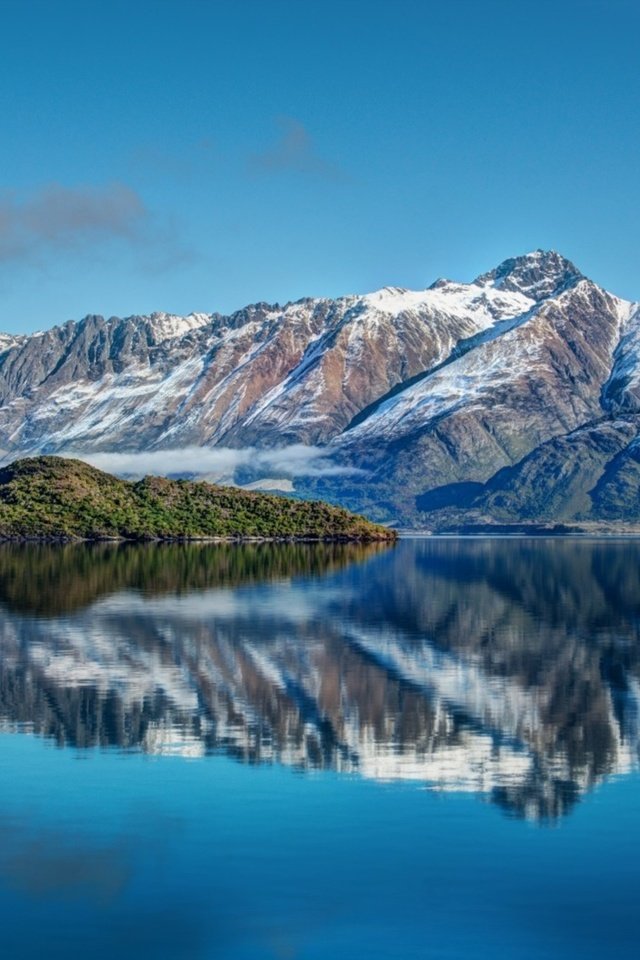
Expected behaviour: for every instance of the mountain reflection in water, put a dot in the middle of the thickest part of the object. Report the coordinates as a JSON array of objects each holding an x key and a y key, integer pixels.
[{"x": 510, "y": 668}]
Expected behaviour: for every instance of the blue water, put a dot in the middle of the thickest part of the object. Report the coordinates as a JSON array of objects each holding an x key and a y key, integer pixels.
[{"x": 328, "y": 790}]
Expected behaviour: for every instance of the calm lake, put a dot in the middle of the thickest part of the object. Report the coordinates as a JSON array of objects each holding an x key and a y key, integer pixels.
[{"x": 427, "y": 750}]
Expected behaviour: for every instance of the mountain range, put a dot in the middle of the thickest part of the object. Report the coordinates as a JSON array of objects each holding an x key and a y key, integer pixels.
[{"x": 511, "y": 399}]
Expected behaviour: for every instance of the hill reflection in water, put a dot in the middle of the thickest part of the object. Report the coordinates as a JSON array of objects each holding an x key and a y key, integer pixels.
[{"x": 510, "y": 668}]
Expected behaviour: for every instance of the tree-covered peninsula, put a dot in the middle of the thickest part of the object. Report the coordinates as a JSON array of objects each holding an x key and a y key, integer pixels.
[{"x": 55, "y": 498}]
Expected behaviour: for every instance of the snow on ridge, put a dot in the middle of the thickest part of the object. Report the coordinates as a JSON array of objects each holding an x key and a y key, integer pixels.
[
  {"x": 468, "y": 375},
  {"x": 166, "y": 326},
  {"x": 448, "y": 297},
  {"x": 439, "y": 309},
  {"x": 496, "y": 354},
  {"x": 624, "y": 379},
  {"x": 8, "y": 340}
]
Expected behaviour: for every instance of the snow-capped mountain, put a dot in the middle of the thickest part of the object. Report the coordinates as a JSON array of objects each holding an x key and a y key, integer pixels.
[
  {"x": 561, "y": 364},
  {"x": 410, "y": 392},
  {"x": 264, "y": 375}
]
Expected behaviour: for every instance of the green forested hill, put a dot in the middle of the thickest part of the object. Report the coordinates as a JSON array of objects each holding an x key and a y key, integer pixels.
[{"x": 55, "y": 497}]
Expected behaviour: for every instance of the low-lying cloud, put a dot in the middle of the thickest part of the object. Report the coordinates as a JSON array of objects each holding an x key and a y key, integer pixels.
[{"x": 295, "y": 460}]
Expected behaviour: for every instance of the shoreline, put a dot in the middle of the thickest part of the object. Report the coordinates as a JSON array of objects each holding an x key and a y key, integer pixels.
[
  {"x": 522, "y": 531},
  {"x": 52, "y": 539}
]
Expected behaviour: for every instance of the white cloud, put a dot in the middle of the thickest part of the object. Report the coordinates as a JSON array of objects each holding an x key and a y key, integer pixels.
[{"x": 296, "y": 460}]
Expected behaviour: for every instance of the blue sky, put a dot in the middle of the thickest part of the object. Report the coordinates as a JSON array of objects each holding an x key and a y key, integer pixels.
[{"x": 202, "y": 155}]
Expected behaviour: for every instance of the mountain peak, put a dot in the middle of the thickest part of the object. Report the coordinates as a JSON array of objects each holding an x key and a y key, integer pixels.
[{"x": 539, "y": 274}]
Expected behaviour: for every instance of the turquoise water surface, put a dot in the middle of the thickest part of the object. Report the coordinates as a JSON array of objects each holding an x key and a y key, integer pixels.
[{"x": 309, "y": 752}]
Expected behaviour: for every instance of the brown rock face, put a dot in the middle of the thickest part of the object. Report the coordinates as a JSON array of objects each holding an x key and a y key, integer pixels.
[{"x": 492, "y": 406}]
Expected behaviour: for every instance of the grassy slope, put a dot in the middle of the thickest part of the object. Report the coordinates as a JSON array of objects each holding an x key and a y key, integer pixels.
[{"x": 53, "y": 497}]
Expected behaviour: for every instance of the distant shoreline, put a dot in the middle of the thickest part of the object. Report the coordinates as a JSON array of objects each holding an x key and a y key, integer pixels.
[{"x": 523, "y": 531}]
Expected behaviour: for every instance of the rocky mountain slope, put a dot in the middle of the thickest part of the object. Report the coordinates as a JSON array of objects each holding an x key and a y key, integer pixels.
[
  {"x": 420, "y": 399},
  {"x": 266, "y": 375}
]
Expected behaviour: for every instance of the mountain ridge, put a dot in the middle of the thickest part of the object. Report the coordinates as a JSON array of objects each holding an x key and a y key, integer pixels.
[{"x": 405, "y": 392}]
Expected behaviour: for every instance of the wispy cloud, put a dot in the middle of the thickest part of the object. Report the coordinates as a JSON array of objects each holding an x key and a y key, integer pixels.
[
  {"x": 58, "y": 219},
  {"x": 295, "y": 460},
  {"x": 295, "y": 151}
]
